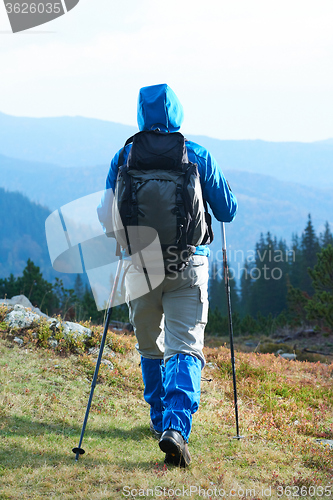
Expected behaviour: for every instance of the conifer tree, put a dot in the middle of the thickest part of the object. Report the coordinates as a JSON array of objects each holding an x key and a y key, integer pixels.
[
  {"x": 9, "y": 287},
  {"x": 245, "y": 290},
  {"x": 218, "y": 309},
  {"x": 89, "y": 307},
  {"x": 326, "y": 238},
  {"x": 310, "y": 247},
  {"x": 297, "y": 300},
  {"x": 320, "y": 307},
  {"x": 269, "y": 277},
  {"x": 39, "y": 291},
  {"x": 79, "y": 287},
  {"x": 279, "y": 274},
  {"x": 295, "y": 262},
  {"x": 215, "y": 286}
]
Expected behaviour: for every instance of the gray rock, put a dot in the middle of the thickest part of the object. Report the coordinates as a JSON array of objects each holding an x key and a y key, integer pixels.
[
  {"x": 18, "y": 340},
  {"x": 289, "y": 356},
  {"x": 22, "y": 301},
  {"x": 19, "y": 299},
  {"x": 75, "y": 330},
  {"x": 106, "y": 352},
  {"x": 21, "y": 318},
  {"x": 93, "y": 350},
  {"x": 326, "y": 442},
  {"x": 25, "y": 315},
  {"x": 54, "y": 324},
  {"x": 36, "y": 310},
  {"x": 106, "y": 362},
  {"x": 53, "y": 343}
]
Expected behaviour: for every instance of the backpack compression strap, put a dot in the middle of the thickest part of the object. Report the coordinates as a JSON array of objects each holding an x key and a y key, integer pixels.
[
  {"x": 209, "y": 236},
  {"x": 122, "y": 152}
]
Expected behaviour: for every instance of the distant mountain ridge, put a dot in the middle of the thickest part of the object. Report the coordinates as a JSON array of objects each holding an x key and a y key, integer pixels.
[
  {"x": 277, "y": 184},
  {"x": 83, "y": 142},
  {"x": 65, "y": 141}
]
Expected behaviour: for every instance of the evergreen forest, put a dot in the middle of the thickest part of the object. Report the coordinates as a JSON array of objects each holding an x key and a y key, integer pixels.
[{"x": 279, "y": 284}]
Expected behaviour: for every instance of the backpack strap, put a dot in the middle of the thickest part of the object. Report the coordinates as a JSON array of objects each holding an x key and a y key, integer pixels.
[
  {"x": 209, "y": 236},
  {"x": 122, "y": 152},
  {"x": 181, "y": 218}
]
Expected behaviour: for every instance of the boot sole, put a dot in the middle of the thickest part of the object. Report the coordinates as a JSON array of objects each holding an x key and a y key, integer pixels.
[{"x": 173, "y": 451}]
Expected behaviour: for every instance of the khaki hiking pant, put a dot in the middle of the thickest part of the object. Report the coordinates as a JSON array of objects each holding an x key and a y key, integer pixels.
[{"x": 171, "y": 319}]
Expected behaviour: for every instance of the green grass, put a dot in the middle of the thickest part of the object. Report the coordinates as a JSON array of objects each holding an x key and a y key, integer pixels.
[{"x": 283, "y": 408}]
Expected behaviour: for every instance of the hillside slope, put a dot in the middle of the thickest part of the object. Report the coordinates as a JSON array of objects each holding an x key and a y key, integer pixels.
[{"x": 22, "y": 229}]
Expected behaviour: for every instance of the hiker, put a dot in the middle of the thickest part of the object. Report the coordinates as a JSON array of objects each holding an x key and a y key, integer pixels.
[{"x": 169, "y": 321}]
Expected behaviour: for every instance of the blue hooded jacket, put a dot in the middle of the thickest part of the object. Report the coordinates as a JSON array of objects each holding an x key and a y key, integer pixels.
[{"x": 159, "y": 107}]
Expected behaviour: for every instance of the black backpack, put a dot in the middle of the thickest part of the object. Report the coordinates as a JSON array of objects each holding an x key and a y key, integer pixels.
[{"x": 159, "y": 188}]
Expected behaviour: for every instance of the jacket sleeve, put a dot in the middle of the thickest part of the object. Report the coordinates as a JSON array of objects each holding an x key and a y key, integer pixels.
[
  {"x": 215, "y": 188},
  {"x": 113, "y": 172},
  {"x": 105, "y": 206}
]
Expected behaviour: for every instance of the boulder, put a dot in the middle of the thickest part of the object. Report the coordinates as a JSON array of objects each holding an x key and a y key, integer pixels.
[
  {"x": 54, "y": 324},
  {"x": 22, "y": 300},
  {"x": 326, "y": 442},
  {"x": 21, "y": 317},
  {"x": 17, "y": 299},
  {"x": 94, "y": 351},
  {"x": 287, "y": 355},
  {"x": 106, "y": 362},
  {"x": 24, "y": 315},
  {"x": 75, "y": 330}
]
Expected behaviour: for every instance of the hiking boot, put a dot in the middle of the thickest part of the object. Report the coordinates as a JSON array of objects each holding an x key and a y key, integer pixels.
[
  {"x": 175, "y": 447},
  {"x": 156, "y": 434}
]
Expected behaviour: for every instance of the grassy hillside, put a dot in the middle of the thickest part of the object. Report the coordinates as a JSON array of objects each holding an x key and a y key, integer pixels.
[{"x": 283, "y": 407}]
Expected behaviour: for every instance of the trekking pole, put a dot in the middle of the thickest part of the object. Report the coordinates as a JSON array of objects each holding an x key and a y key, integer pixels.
[
  {"x": 80, "y": 451},
  {"x": 227, "y": 289}
]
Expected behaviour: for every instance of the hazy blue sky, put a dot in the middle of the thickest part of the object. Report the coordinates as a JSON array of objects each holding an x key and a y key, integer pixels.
[{"x": 243, "y": 69}]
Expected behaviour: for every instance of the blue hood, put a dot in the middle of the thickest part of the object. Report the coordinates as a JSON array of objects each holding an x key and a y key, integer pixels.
[{"x": 158, "y": 106}]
